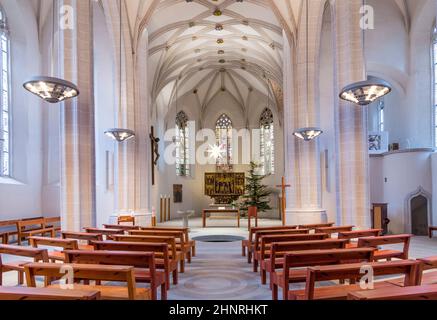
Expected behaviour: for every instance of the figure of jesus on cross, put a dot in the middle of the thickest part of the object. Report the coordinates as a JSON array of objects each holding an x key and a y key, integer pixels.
[{"x": 284, "y": 187}]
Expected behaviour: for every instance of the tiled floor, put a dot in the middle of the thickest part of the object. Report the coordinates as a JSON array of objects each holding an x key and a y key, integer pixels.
[{"x": 220, "y": 272}]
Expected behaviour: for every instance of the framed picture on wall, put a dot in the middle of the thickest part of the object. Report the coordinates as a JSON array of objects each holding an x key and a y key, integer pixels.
[
  {"x": 177, "y": 193},
  {"x": 378, "y": 142}
]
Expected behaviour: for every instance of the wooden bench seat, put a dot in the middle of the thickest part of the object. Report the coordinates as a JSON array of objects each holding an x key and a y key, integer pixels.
[
  {"x": 355, "y": 235},
  {"x": 37, "y": 255},
  {"x": 333, "y": 230},
  {"x": 186, "y": 232},
  {"x": 429, "y": 262},
  {"x": 162, "y": 259},
  {"x": 55, "y": 255},
  {"x": 425, "y": 292},
  {"x": 387, "y": 254},
  {"x": 144, "y": 263},
  {"x": 248, "y": 242},
  {"x": 275, "y": 259},
  {"x": 260, "y": 253},
  {"x": 33, "y": 227},
  {"x": 352, "y": 271},
  {"x": 44, "y": 294},
  {"x": 309, "y": 258},
  {"x": 90, "y": 272}
]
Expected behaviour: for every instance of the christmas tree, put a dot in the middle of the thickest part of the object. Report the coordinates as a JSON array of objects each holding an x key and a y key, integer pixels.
[{"x": 257, "y": 194}]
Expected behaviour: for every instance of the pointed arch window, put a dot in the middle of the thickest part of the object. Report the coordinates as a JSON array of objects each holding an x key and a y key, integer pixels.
[
  {"x": 434, "y": 83},
  {"x": 182, "y": 145},
  {"x": 223, "y": 131},
  {"x": 267, "y": 142},
  {"x": 5, "y": 125}
]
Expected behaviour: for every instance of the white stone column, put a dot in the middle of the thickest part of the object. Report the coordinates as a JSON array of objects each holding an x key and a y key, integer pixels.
[
  {"x": 351, "y": 120},
  {"x": 77, "y": 120},
  {"x": 304, "y": 198}
]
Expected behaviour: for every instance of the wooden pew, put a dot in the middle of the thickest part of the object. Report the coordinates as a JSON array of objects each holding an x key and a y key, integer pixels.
[
  {"x": 54, "y": 222},
  {"x": 351, "y": 235},
  {"x": 45, "y": 294},
  {"x": 126, "y": 219},
  {"x": 315, "y": 226},
  {"x": 382, "y": 254},
  {"x": 351, "y": 271},
  {"x": 260, "y": 253},
  {"x": 162, "y": 259},
  {"x": 36, "y": 254},
  {"x": 9, "y": 229},
  {"x": 54, "y": 255},
  {"x": 186, "y": 232},
  {"x": 143, "y": 262},
  {"x": 256, "y": 236},
  {"x": 427, "y": 278},
  {"x": 106, "y": 232},
  {"x": 83, "y": 236},
  {"x": 308, "y": 258},
  {"x": 245, "y": 244},
  {"x": 89, "y": 272},
  {"x": 181, "y": 244},
  {"x": 431, "y": 230},
  {"x": 171, "y": 242},
  {"x": 274, "y": 259},
  {"x": 120, "y": 227},
  {"x": 31, "y": 227},
  {"x": 426, "y": 292},
  {"x": 333, "y": 230}
]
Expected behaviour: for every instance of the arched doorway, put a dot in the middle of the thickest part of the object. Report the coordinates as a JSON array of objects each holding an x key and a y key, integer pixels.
[{"x": 419, "y": 215}]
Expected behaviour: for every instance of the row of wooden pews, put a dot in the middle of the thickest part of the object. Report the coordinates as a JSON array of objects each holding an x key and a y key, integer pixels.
[
  {"x": 310, "y": 254},
  {"x": 115, "y": 253}
]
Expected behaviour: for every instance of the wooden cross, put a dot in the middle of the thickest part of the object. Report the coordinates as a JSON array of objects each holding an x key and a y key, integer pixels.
[
  {"x": 284, "y": 186},
  {"x": 154, "y": 152}
]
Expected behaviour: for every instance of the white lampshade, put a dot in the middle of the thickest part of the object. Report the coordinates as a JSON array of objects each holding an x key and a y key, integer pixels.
[
  {"x": 52, "y": 90},
  {"x": 120, "y": 135},
  {"x": 365, "y": 92},
  {"x": 308, "y": 134}
]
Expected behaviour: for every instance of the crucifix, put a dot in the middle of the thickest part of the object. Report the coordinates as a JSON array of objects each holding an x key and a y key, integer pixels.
[
  {"x": 154, "y": 145},
  {"x": 284, "y": 186}
]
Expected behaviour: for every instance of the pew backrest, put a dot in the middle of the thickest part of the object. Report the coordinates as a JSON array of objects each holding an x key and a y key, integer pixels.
[
  {"x": 332, "y": 230},
  {"x": 359, "y": 234},
  {"x": 122, "y": 227},
  {"x": 170, "y": 241},
  {"x": 179, "y": 235},
  {"x": 315, "y": 226},
  {"x": 36, "y": 254},
  {"x": 82, "y": 236},
  {"x": 44, "y": 294},
  {"x": 279, "y": 233},
  {"x": 66, "y": 244},
  {"x": 83, "y": 272},
  {"x": 253, "y": 230},
  {"x": 409, "y": 268},
  {"x": 106, "y": 232},
  {"x": 375, "y": 242},
  {"x": 184, "y": 230}
]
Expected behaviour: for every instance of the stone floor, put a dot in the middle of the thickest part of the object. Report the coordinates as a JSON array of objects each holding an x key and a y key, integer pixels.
[{"x": 220, "y": 272}]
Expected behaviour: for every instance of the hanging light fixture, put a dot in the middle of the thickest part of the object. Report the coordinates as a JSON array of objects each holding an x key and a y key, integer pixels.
[
  {"x": 51, "y": 89},
  {"x": 308, "y": 133},
  {"x": 120, "y": 135},
  {"x": 365, "y": 92}
]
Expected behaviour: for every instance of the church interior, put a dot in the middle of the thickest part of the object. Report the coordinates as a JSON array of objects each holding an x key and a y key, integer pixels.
[{"x": 218, "y": 150}]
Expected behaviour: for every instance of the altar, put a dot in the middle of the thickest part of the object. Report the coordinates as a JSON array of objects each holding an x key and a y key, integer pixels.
[{"x": 222, "y": 212}]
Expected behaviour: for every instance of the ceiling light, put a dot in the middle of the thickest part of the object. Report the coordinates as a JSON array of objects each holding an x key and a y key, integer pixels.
[
  {"x": 308, "y": 134},
  {"x": 218, "y": 27},
  {"x": 50, "y": 89},
  {"x": 365, "y": 92},
  {"x": 220, "y": 41},
  {"x": 120, "y": 135},
  {"x": 217, "y": 12},
  {"x": 221, "y": 52}
]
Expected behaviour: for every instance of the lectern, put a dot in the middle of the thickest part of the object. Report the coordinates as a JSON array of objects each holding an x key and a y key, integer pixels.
[{"x": 380, "y": 216}]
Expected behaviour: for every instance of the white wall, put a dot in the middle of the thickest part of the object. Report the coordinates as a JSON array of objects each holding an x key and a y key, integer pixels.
[
  {"x": 21, "y": 197},
  {"x": 405, "y": 173}
]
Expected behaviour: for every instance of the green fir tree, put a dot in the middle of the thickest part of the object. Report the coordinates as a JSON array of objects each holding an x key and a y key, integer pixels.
[{"x": 257, "y": 194}]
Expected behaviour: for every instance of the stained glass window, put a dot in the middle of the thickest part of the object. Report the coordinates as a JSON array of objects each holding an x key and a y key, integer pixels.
[
  {"x": 182, "y": 145},
  {"x": 223, "y": 131},
  {"x": 267, "y": 142},
  {"x": 5, "y": 127}
]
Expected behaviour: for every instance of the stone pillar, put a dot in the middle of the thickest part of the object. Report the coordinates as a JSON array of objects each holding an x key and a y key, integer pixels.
[
  {"x": 77, "y": 119},
  {"x": 351, "y": 120},
  {"x": 304, "y": 200},
  {"x": 132, "y": 185}
]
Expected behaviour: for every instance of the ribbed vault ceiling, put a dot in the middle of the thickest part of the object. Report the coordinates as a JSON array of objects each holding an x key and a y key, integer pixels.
[{"x": 207, "y": 47}]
